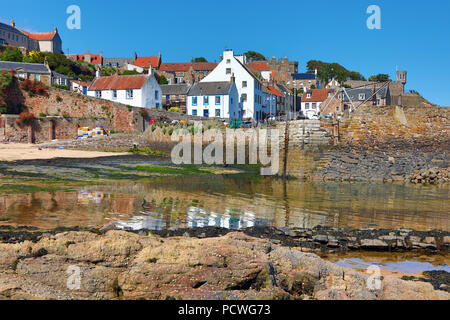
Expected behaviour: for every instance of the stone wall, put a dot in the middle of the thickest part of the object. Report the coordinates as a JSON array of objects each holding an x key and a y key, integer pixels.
[{"x": 71, "y": 109}]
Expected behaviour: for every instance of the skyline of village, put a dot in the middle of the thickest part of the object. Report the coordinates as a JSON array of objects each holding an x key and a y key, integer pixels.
[{"x": 100, "y": 33}]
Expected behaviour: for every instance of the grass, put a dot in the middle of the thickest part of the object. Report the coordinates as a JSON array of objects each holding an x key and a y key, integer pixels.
[{"x": 179, "y": 170}]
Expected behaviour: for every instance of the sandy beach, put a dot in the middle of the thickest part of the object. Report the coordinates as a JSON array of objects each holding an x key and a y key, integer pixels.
[{"x": 19, "y": 151}]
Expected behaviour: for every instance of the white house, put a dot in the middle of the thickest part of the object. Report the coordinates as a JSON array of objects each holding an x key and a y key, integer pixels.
[
  {"x": 141, "y": 91},
  {"x": 312, "y": 101},
  {"x": 249, "y": 87},
  {"x": 214, "y": 100},
  {"x": 80, "y": 87},
  {"x": 132, "y": 67}
]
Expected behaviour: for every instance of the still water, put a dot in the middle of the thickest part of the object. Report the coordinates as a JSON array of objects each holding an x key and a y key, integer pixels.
[{"x": 233, "y": 202}]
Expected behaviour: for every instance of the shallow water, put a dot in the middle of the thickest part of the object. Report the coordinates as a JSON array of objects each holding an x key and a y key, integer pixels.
[{"x": 233, "y": 202}]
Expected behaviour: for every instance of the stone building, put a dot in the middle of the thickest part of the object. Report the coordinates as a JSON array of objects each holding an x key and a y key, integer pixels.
[
  {"x": 176, "y": 73},
  {"x": 175, "y": 95},
  {"x": 303, "y": 82},
  {"x": 30, "y": 71},
  {"x": 282, "y": 70},
  {"x": 47, "y": 41}
]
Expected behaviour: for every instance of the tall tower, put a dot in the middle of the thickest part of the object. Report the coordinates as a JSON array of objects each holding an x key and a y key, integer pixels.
[{"x": 401, "y": 78}]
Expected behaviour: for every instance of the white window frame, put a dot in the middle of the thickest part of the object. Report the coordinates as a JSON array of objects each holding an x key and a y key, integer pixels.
[{"x": 130, "y": 94}]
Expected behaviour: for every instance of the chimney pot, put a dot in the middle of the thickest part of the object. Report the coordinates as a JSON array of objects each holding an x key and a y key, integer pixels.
[{"x": 13, "y": 24}]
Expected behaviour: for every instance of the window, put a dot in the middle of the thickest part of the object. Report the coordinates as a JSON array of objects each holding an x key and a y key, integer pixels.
[
  {"x": 314, "y": 106},
  {"x": 217, "y": 99},
  {"x": 194, "y": 101},
  {"x": 130, "y": 93},
  {"x": 194, "y": 112},
  {"x": 205, "y": 101},
  {"x": 206, "y": 113},
  {"x": 37, "y": 76},
  {"x": 98, "y": 94},
  {"x": 362, "y": 96},
  {"x": 114, "y": 94},
  {"x": 228, "y": 71},
  {"x": 244, "y": 84},
  {"x": 228, "y": 61},
  {"x": 156, "y": 94},
  {"x": 157, "y": 105},
  {"x": 308, "y": 96},
  {"x": 218, "y": 113},
  {"x": 22, "y": 75},
  {"x": 307, "y": 106},
  {"x": 244, "y": 97}
]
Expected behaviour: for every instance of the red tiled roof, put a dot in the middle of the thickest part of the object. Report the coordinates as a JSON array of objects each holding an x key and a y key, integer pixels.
[
  {"x": 204, "y": 66},
  {"x": 275, "y": 91},
  {"x": 41, "y": 36},
  {"x": 95, "y": 58},
  {"x": 317, "y": 95},
  {"x": 259, "y": 66},
  {"x": 119, "y": 82},
  {"x": 183, "y": 67},
  {"x": 146, "y": 62}
]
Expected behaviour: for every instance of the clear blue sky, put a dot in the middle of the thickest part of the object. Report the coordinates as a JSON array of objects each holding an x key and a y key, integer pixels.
[{"x": 415, "y": 35}]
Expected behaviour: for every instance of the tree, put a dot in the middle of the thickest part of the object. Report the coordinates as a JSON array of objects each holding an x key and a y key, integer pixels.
[
  {"x": 379, "y": 78},
  {"x": 11, "y": 54},
  {"x": 163, "y": 80},
  {"x": 130, "y": 73},
  {"x": 327, "y": 71},
  {"x": 200, "y": 59},
  {"x": 254, "y": 56}
]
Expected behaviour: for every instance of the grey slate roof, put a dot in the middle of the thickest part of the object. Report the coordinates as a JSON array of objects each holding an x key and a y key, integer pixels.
[
  {"x": 303, "y": 76},
  {"x": 178, "y": 89},
  {"x": 354, "y": 94},
  {"x": 28, "y": 67},
  {"x": 120, "y": 61},
  {"x": 9, "y": 28},
  {"x": 210, "y": 89},
  {"x": 59, "y": 75}
]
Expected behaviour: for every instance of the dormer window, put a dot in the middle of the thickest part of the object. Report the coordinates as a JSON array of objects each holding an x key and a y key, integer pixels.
[
  {"x": 308, "y": 95},
  {"x": 362, "y": 96}
]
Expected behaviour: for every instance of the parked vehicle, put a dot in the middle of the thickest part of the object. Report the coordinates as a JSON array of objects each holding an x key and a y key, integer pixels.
[
  {"x": 247, "y": 124},
  {"x": 301, "y": 117}
]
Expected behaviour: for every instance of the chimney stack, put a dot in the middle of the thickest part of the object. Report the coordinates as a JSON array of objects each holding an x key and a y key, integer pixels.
[
  {"x": 98, "y": 73},
  {"x": 233, "y": 78},
  {"x": 13, "y": 24}
]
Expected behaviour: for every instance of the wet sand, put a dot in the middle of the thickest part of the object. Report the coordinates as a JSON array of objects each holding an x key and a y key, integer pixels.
[{"x": 19, "y": 151}]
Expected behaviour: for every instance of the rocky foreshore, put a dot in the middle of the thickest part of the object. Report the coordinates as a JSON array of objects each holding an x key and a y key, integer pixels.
[{"x": 101, "y": 264}]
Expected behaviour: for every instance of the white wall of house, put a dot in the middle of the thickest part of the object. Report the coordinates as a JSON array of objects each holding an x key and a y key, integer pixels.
[
  {"x": 132, "y": 67},
  {"x": 76, "y": 87},
  {"x": 227, "y": 107},
  {"x": 311, "y": 109},
  {"x": 152, "y": 94},
  {"x": 149, "y": 96},
  {"x": 248, "y": 87},
  {"x": 266, "y": 75}
]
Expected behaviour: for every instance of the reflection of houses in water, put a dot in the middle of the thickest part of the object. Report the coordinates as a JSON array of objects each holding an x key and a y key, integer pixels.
[
  {"x": 231, "y": 219},
  {"x": 150, "y": 221},
  {"x": 195, "y": 218},
  {"x": 89, "y": 197}
]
